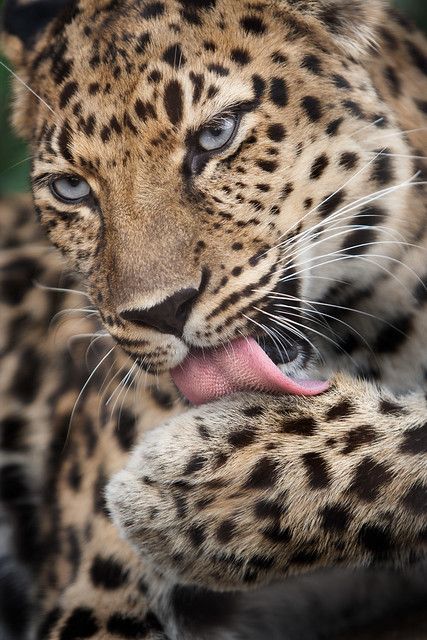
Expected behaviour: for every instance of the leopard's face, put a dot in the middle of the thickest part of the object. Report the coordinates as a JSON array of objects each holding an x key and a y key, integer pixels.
[{"x": 208, "y": 166}]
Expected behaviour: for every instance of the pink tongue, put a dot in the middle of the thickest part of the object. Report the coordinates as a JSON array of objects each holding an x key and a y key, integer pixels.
[{"x": 241, "y": 366}]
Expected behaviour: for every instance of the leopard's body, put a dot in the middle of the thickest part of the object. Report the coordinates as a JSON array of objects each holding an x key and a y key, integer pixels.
[{"x": 315, "y": 211}]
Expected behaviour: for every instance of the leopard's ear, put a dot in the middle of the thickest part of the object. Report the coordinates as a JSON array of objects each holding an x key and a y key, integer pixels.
[
  {"x": 23, "y": 21},
  {"x": 352, "y": 23}
]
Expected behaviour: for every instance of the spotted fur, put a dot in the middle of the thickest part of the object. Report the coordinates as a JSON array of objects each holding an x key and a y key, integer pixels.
[{"x": 315, "y": 213}]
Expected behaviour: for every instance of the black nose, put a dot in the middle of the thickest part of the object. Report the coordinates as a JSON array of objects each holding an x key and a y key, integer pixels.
[{"x": 169, "y": 316}]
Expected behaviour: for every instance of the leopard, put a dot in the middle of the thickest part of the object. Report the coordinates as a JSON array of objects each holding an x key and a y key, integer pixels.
[{"x": 230, "y": 205}]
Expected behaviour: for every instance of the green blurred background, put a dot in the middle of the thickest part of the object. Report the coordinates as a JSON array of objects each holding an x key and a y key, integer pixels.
[{"x": 14, "y": 156}]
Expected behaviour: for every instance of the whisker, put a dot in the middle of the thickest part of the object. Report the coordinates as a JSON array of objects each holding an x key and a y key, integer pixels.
[
  {"x": 322, "y": 314},
  {"x": 64, "y": 312},
  {"x": 379, "y": 266},
  {"x": 314, "y": 209},
  {"x": 277, "y": 295},
  {"x": 60, "y": 289},
  {"x": 282, "y": 323},
  {"x": 17, "y": 164},
  {"x": 83, "y": 390},
  {"x": 118, "y": 372},
  {"x": 403, "y": 155},
  {"x": 399, "y": 133},
  {"x": 106, "y": 384},
  {"x": 29, "y": 88},
  {"x": 342, "y": 231},
  {"x": 350, "y": 257},
  {"x": 81, "y": 336},
  {"x": 351, "y": 207},
  {"x": 59, "y": 324},
  {"x": 126, "y": 387},
  {"x": 97, "y": 336},
  {"x": 291, "y": 329},
  {"x": 366, "y": 126}
]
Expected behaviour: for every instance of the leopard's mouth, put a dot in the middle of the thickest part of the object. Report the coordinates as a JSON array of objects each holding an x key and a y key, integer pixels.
[
  {"x": 280, "y": 353},
  {"x": 242, "y": 365}
]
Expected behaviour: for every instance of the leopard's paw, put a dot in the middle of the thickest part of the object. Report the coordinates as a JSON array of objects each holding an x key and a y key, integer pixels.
[
  {"x": 253, "y": 487},
  {"x": 200, "y": 491}
]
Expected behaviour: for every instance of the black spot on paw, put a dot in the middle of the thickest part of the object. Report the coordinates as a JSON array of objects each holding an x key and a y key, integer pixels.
[
  {"x": 415, "y": 440},
  {"x": 197, "y": 534},
  {"x": 253, "y": 412},
  {"x": 125, "y": 626},
  {"x": 48, "y": 623},
  {"x": 376, "y": 539},
  {"x": 194, "y": 464},
  {"x": 369, "y": 478},
  {"x": 358, "y": 437},
  {"x": 335, "y": 518},
  {"x": 265, "y": 509},
  {"x": 263, "y": 474},
  {"x": 304, "y": 426},
  {"x": 391, "y": 408},
  {"x": 80, "y": 624},
  {"x": 342, "y": 409},
  {"x": 226, "y": 530},
  {"x": 242, "y": 437},
  {"x": 415, "y": 499},
  {"x": 317, "y": 470},
  {"x": 107, "y": 573}
]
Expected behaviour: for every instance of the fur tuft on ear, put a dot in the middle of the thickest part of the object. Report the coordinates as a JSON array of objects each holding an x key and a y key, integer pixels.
[
  {"x": 352, "y": 23},
  {"x": 24, "y": 20}
]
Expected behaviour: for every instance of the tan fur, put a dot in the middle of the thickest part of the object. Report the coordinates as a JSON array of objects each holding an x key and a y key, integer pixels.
[{"x": 224, "y": 496}]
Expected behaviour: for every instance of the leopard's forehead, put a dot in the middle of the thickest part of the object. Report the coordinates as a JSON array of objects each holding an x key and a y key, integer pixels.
[{"x": 164, "y": 66}]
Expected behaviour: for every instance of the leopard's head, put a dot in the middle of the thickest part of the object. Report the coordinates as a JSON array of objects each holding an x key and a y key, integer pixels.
[{"x": 208, "y": 166}]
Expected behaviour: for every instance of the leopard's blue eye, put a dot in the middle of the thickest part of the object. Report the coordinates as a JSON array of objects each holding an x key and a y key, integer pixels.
[
  {"x": 216, "y": 135},
  {"x": 70, "y": 189}
]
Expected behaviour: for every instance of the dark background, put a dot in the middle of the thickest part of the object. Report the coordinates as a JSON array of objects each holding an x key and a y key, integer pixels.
[{"x": 14, "y": 155}]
